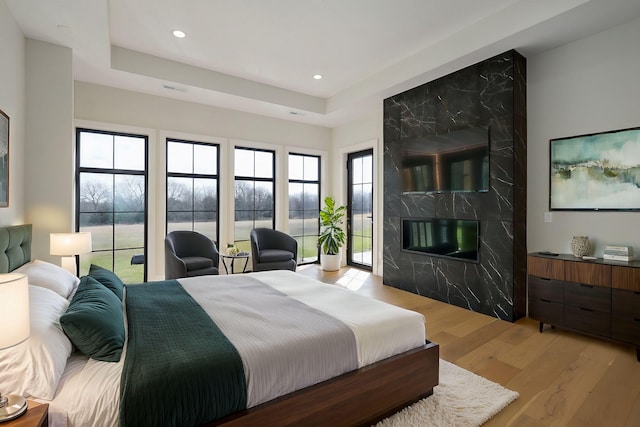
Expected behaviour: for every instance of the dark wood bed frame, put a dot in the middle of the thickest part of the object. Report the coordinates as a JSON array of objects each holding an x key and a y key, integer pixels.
[{"x": 360, "y": 397}]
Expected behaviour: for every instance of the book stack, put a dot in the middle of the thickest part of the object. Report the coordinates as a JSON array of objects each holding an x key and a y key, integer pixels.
[{"x": 618, "y": 253}]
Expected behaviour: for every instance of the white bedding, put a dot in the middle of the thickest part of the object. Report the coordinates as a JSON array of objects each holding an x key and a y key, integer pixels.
[{"x": 89, "y": 391}]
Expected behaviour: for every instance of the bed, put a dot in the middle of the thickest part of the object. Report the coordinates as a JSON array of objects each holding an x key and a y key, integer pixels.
[{"x": 291, "y": 350}]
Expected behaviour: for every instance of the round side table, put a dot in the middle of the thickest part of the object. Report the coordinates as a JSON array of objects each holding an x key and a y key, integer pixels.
[{"x": 231, "y": 259}]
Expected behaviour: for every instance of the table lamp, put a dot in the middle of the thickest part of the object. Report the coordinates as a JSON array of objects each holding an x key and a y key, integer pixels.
[
  {"x": 14, "y": 318},
  {"x": 68, "y": 245}
]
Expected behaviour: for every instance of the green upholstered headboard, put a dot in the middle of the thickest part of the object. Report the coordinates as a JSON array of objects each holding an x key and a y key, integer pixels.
[{"x": 15, "y": 247}]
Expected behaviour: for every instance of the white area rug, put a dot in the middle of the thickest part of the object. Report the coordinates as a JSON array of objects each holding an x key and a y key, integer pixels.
[{"x": 462, "y": 399}]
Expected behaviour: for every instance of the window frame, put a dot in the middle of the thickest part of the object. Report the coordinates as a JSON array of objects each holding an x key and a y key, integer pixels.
[
  {"x": 272, "y": 180},
  {"x": 305, "y": 181},
  {"x": 114, "y": 172},
  {"x": 193, "y": 176}
]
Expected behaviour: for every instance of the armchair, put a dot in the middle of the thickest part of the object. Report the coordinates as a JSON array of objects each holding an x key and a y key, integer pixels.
[
  {"x": 273, "y": 250},
  {"x": 188, "y": 254}
]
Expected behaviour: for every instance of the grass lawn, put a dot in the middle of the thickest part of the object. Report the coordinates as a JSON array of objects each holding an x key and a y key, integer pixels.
[{"x": 114, "y": 246}]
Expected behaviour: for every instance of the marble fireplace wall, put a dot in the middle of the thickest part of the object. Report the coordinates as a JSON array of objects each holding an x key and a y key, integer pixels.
[{"x": 489, "y": 94}]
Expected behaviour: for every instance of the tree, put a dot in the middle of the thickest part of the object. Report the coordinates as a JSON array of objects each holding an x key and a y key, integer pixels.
[
  {"x": 178, "y": 195},
  {"x": 205, "y": 197},
  {"x": 93, "y": 195},
  {"x": 131, "y": 194}
]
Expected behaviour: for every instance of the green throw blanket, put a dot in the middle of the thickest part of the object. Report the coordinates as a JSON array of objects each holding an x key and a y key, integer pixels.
[{"x": 180, "y": 369}]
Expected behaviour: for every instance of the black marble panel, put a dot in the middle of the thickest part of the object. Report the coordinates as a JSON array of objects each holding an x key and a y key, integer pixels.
[{"x": 490, "y": 94}]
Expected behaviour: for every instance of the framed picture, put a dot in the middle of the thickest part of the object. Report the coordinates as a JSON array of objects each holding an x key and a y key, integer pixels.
[
  {"x": 4, "y": 160},
  {"x": 596, "y": 172}
]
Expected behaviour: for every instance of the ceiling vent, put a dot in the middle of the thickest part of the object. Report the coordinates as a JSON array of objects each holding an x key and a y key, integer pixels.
[{"x": 176, "y": 88}]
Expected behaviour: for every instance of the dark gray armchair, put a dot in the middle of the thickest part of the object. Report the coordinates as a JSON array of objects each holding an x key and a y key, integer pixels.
[
  {"x": 188, "y": 254},
  {"x": 273, "y": 250}
]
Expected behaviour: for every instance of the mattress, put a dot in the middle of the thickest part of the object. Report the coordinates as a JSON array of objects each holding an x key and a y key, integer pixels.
[{"x": 89, "y": 390}]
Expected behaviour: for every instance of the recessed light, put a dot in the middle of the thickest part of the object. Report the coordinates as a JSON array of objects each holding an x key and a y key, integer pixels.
[
  {"x": 179, "y": 34},
  {"x": 317, "y": 76}
]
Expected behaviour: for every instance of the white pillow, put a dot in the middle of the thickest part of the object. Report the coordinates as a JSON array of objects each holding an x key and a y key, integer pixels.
[
  {"x": 34, "y": 367},
  {"x": 50, "y": 276}
]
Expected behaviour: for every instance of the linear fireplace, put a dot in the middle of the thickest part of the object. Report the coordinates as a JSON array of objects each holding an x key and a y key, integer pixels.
[{"x": 450, "y": 238}]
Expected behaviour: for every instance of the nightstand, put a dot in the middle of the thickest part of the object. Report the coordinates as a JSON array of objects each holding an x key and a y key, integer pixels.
[{"x": 37, "y": 415}]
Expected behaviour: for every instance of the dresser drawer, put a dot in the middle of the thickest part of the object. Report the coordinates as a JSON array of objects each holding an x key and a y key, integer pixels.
[
  {"x": 627, "y": 278},
  {"x": 587, "y": 296},
  {"x": 545, "y": 267},
  {"x": 546, "y": 289},
  {"x": 625, "y": 303},
  {"x": 626, "y": 329},
  {"x": 625, "y": 306},
  {"x": 586, "y": 320},
  {"x": 588, "y": 273},
  {"x": 546, "y": 311}
]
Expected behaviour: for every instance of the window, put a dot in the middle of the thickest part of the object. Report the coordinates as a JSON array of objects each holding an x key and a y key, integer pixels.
[
  {"x": 111, "y": 200},
  {"x": 192, "y": 187},
  {"x": 360, "y": 209},
  {"x": 304, "y": 204},
  {"x": 254, "y": 193}
]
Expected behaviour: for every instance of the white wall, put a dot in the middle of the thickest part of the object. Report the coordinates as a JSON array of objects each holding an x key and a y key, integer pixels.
[
  {"x": 12, "y": 102},
  {"x": 361, "y": 134},
  {"x": 587, "y": 86},
  {"x": 100, "y": 103},
  {"x": 100, "y": 107},
  {"x": 49, "y": 144}
]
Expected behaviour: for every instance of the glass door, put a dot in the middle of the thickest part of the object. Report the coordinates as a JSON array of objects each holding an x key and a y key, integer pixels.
[{"x": 360, "y": 209}]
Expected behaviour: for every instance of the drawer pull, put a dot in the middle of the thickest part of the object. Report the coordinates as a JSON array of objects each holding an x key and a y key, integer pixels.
[
  {"x": 586, "y": 286},
  {"x": 545, "y": 300},
  {"x": 586, "y": 309},
  {"x": 636, "y": 292},
  {"x": 636, "y": 320}
]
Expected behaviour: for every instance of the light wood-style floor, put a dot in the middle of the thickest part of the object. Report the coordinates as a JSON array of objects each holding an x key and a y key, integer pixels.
[{"x": 564, "y": 378}]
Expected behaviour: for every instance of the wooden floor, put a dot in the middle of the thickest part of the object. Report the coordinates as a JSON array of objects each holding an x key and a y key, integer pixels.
[{"x": 564, "y": 379}]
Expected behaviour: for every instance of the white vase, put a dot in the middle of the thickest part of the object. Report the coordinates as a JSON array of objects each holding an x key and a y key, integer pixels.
[
  {"x": 330, "y": 262},
  {"x": 580, "y": 246}
]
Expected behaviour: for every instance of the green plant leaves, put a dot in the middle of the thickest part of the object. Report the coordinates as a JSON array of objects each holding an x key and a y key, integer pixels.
[{"x": 332, "y": 236}]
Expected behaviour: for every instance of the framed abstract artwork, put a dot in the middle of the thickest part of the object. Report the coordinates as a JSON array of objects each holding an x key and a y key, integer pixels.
[
  {"x": 4, "y": 160},
  {"x": 596, "y": 172}
]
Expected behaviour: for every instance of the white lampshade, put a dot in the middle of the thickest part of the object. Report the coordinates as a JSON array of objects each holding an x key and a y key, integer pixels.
[
  {"x": 68, "y": 244},
  {"x": 14, "y": 309}
]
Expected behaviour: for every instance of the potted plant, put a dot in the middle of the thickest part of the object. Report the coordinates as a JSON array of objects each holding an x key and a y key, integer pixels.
[
  {"x": 232, "y": 249},
  {"x": 332, "y": 236}
]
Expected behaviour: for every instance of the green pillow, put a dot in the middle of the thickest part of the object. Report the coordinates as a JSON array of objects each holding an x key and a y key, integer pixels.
[
  {"x": 108, "y": 278},
  {"x": 94, "y": 321}
]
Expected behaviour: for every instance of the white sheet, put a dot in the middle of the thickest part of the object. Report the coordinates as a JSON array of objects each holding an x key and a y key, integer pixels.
[
  {"x": 89, "y": 391},
  {"x": 88, "y": 394},
  {"x": 382, "y": 330}
]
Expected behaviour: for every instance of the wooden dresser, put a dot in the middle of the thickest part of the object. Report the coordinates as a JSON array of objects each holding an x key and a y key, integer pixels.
[{"x": 595, "y": 297}]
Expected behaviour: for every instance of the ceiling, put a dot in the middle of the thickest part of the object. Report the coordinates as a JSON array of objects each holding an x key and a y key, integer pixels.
[{"x": 259, "y": 56}]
